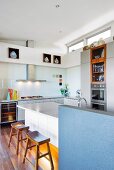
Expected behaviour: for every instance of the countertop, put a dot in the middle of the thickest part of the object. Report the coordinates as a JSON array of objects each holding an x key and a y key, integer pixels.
[
  {"x": 90, "y": 110},
  {"x": 48, "y": 108},
  {"x": 42, "y": 98},
  {"x": 51, "y": 108}
]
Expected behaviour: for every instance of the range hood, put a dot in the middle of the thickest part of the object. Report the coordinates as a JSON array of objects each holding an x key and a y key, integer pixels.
[{"x": 30, "y": 74}]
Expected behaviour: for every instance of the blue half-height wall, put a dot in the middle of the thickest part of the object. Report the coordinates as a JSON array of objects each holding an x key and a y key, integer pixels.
[{"x": 86, "y": 139}]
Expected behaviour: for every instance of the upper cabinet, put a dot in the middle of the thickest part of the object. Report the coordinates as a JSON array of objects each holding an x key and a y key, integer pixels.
[
  {"x": 85, "y": 57},
  {"x": 98, "y": 64},
  {"x": 85, "y": 76},
  {"x": 110, "y": 50}
]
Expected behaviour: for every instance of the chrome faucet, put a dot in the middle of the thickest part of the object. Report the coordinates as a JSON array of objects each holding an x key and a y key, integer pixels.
[
  {"x": 80, "y": 99},
  {"x": 78, "y": 93}
]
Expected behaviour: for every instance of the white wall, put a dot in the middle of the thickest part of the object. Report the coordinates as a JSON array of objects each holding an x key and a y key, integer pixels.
[
  {"x": 49, "y": 88},
  {"x": 73, "y": 79},
  {"x": 35, "y": 56},
  {"x": 9, "y": 73},
  {"x": 29, "y": 55},
  {"x": 20, "y": 43},
  {"x": 72, "y": 59},
  {"x": 73, "y": 76}
]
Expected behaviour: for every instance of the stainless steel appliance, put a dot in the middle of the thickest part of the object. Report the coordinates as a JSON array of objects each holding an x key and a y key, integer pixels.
[
  {"x": 98, "y": 106},
  {"x": 98, "y": 96},
  {"x": 31, "y": 97},
  {"x": 30, "y": 74}
]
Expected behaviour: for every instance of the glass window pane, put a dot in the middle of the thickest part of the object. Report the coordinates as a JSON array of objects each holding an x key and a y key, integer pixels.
[
  {"x": 76, "y": 46},
  {"x": 104, "y": 35}
]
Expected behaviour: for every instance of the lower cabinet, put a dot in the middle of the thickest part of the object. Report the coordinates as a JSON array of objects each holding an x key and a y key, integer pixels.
[
  {"x": 70, "y": 102},
  {"x": 21, "y": 112}
]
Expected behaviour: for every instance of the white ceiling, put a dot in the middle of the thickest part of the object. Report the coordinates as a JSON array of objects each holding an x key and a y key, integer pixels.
[{"x": 41, "y": 21}]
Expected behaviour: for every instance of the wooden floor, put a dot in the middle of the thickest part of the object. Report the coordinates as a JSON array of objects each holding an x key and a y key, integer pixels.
[{"x": 10, "y": 161}]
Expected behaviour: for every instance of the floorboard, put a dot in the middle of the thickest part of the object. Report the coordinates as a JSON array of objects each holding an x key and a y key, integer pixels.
[{"x": 10, "y": 161}]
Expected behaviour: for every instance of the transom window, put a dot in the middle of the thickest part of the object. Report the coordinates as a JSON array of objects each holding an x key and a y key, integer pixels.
[
  {"x": 75, "y": 46},
  {"x": 103, "y": 35}
]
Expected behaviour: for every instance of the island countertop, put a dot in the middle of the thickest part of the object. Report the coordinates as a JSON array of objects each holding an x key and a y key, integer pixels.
[
  {"x": 43, "y": 117},
  {"x": 48, "y": 108},
  {"x": 52, "y": 108}
]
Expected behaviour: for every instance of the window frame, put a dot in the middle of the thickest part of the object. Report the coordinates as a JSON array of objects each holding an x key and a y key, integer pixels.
[
  {"x": 82, "y": 41},
  {"x": 98, "y": 33}
]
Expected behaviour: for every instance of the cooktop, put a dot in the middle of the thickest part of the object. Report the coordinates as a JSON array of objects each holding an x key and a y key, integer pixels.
[{"x": 31, "y": 97}]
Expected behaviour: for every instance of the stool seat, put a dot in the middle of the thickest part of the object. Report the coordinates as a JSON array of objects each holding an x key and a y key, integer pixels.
[
  {"x": 38, "y": 137},
  {"x": 16, "y": 124},
  {"x": 18, "y": 129},
  {"x": 19, "y": 126}
]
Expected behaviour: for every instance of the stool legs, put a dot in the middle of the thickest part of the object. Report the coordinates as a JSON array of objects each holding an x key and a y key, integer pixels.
[
  {"x": 26, "y": 148},
  {"x": 21, "y": 135},
  {"x": 17, "y": 147},
  {"x": 37, "y": 156},
  {"x": 11, "y": 132},
  {"x": 50, "y": 157}
]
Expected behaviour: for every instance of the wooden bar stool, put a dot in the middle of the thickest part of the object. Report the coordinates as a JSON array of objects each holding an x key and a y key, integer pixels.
[
  {"x": 38, "y": 139},
  {"x": 17, "y": 129}
]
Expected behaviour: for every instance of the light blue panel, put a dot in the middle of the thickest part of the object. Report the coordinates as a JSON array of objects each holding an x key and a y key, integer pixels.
[{"x": 86, "y": 140}]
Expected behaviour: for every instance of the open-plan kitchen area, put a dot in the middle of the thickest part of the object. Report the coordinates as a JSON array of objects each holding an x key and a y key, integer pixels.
[{"x": 56, "y": 85}]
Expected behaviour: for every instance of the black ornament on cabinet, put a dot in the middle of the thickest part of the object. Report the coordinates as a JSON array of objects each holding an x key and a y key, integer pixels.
[
  {"x": 13, "y": 53},
  {"x": 47, "y": 58},
  {"x": 56, "y": 59}
]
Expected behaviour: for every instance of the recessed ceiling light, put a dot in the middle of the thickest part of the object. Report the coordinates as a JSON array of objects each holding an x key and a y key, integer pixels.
[
  {"x": 60, "y": 31},
  {"x": 57, "y": 6}
]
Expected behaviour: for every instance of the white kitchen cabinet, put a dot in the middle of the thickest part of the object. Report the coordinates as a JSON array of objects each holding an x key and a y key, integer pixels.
[
  {"x": 110, "y": 50},
  {"x": 21, "y": 112},
  {"x": 85, "y": 83},
  {"x": 59, "y": 100},
  {"x": 110, "y": 84},
  {"x": 70, "y": 102},
  {"x": 110, "y": 76},
  {"x": 85, "y": 77},
  {"x": 44, "y": 123},
  {"x": 85, "y": 57}
]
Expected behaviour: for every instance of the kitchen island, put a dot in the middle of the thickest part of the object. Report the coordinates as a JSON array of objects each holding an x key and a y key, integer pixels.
[
  {"x": 43, "y": 117},
  {"x": 86, "y": 139}
]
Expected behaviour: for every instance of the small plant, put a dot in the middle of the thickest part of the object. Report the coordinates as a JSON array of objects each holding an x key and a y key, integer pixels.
[{"x": 65, "y": 91}]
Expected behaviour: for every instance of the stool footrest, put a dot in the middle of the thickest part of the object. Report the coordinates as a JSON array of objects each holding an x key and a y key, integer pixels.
[
  {"x": 43, "y": 155},
  {"x": 29, "y": 147},
  {"x": 14, "y": 134},
  {"x": 22, "y": 139},
  {"x": 30, "y": 161}
]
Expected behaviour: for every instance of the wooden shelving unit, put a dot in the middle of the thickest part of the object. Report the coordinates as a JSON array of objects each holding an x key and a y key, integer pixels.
[{"x": 98, "y": 64}]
